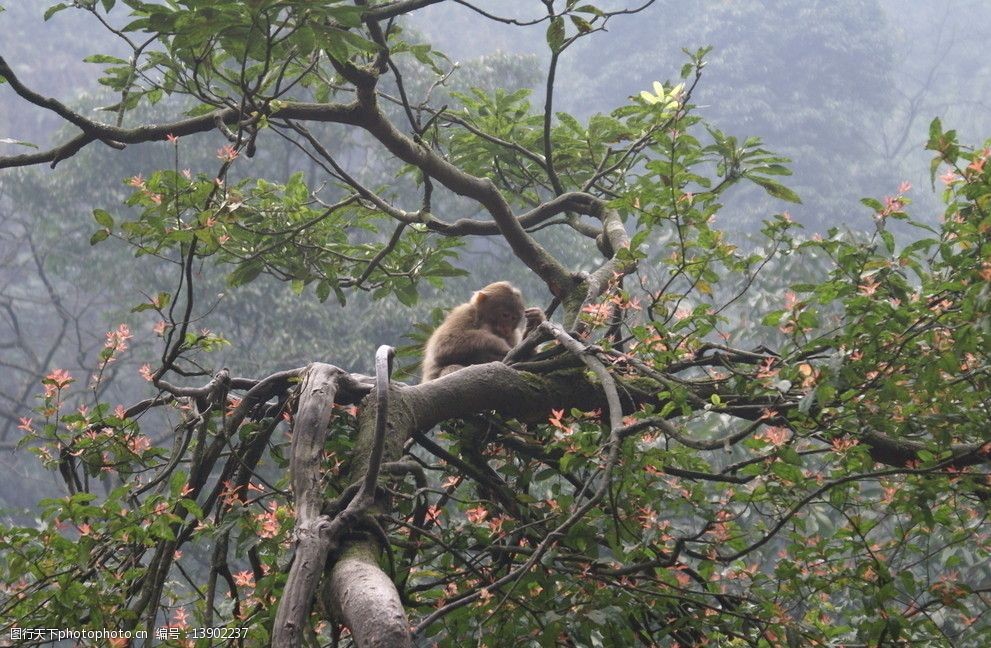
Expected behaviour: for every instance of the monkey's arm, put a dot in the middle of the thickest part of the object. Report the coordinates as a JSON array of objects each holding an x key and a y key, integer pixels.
[
  {"x": 473, "y": 346},
  {"x": 534, "y": 317},
  {"x": 451, "y": 352}
]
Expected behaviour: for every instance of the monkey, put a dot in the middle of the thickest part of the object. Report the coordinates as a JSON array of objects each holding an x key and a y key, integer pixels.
[{"x": 481, "y": 330}]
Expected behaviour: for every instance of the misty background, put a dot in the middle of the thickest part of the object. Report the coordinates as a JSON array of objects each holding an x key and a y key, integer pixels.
[{"x": 846, "y": 89}]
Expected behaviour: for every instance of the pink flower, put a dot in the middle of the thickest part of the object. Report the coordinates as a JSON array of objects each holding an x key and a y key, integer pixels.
[
  {"x": 244, "y": 579},
  {"x": 776, "y": 435},
  {"x": 433, "y": 513},
  {"x": 597, "y": 313},
  {"x": 180, "y": 618},
  {"x": 172, "y": 138},
  {"x": 117, "y": 339},
  {"x": 136, "y": 181},
  {"x": 950, "y": 177},
  {"x": 868, "y": 288},
  {"x": 841, "y": 445},
  {"x": 495, "y": 524},
  {"x": 269, "y": 523},
  {"x": 892, "y": 204},
  {"x": 56, "y": 381},
  {"x": 227, "y": 153},
  {"x": 138, "y": 444},
  {"x": 766, "y": 369},
  {"x": 145, "y": 372},
  {"x": 477, "y": 515}
]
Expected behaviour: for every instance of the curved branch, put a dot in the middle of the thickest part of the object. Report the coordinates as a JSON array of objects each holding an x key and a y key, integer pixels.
[
  {"x": 383, "y": 374},
  {"x": 117, "y": 136},
  {"x": 482, "y": 190}
]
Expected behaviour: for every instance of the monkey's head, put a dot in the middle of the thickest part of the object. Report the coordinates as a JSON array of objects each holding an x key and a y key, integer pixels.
[{"x": 499, "y": 308}]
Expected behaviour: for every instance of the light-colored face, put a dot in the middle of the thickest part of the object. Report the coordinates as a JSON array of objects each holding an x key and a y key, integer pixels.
[
  {"x": 500, "y": 309},
  {"x": 508, "y": 323}
]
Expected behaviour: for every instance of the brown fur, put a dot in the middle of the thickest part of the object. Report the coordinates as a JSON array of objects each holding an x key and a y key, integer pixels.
[{"x": 482, "y": 330}]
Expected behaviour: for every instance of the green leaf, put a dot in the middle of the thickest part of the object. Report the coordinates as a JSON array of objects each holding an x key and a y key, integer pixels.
[
  {"x": 323, "y": 290},
  {"x": 176, "y": 482},
  {"x": 773, "y": 318},
  {"x": 581, "y": 24},
  {"x": 935, "y": 130},
  {"x": 407, "y": 294},
  {"x": 333, "y": 44},
  {"x": 555, "y": 34},
  {"x": 775, "y": 189},
  {"x": 202, "y": 109},
  {"x": 103, "y": 218},
  {"x": 306, "y": 40},
  {"x": 105, "y": 58},
  {"x": 7, "y": 140},
  {"x": 99, "y": 235},
  {"x": 933, "y": 168},
  {"x": 787, "y": 472},
  {"x": 774, "y": 169},
  {"x": 590, "y": 9},
  {"x": 54, "y": 9},
  {"x": 889, "y": 241},
  {"x": 872, "y": 203},
  {"x": 246, "y": 272},
  {"x": 359, "y": 43}
]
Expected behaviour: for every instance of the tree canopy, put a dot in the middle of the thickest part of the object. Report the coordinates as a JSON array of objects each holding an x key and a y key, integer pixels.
[{"x": 706, "y": 444}]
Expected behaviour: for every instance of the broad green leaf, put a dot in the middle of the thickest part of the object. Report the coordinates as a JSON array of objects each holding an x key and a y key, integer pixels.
[
  {"x": 103, "y": 218},
  {"x": 775, "y": 189},
  {"x": 99, "y": 235},
  {"x": 51, "y": 11},
  {"x": 555, "y": 34}
]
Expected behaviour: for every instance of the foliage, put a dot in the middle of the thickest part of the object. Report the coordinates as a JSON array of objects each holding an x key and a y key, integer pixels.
[
  {"x": 830, "y": 489},
  {"x": 817, "y": 82}
]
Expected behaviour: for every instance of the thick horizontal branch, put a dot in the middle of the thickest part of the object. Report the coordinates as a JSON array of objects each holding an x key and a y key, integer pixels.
[
  {"x": 97, "y": 131},
  {"x": 496, "y": 386}
]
